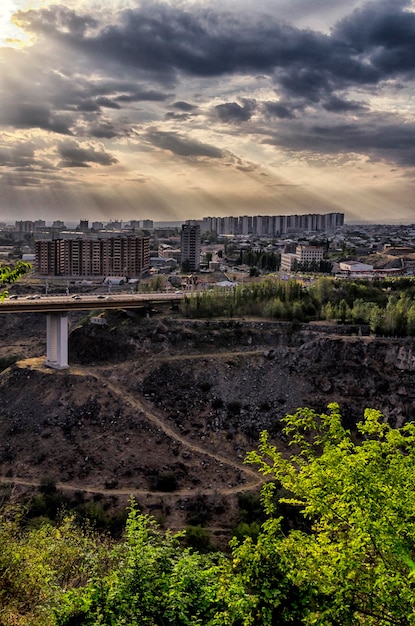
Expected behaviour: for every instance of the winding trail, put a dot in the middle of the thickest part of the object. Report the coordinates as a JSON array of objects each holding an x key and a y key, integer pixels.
[{"x": 253, "y": 478}]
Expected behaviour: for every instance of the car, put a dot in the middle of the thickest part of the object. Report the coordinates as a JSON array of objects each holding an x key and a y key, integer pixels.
[
  {"x": 101, "y": 297},
  {"x": 76, "y": 297},
  {"x": 178, "y": 291},
  {"x": 14, "y": 297}
]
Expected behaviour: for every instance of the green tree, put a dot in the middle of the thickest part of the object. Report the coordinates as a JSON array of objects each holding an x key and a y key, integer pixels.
[
  {"x": 343, "y": 311},
  {"x": 411, "y": 320},
  {"x": 10, "y": 274},
  {"x": 376, "y": 320},
  {"x": 152, "y": 580},
  {"x": 39, "y": 565},
  {"x": 356, "y": 566}
]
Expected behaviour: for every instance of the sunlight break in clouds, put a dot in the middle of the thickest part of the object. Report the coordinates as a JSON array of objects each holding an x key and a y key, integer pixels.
[
  {"x": 179, "y": 109},
  {"x": 10, "y": 34}
]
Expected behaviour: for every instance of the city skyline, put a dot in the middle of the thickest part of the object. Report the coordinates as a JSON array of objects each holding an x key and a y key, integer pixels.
[{"x": 176, "y": 110}]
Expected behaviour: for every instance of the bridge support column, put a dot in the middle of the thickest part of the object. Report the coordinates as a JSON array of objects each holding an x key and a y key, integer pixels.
[{"x": 57, "y": 340}]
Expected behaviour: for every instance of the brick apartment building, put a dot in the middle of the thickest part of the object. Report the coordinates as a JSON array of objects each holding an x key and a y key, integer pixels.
[{"x": 110, "y": 256}]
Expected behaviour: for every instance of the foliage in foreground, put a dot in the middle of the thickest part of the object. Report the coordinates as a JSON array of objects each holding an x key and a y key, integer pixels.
[
  {"x": 9, "y": 275},
  {"x": 354, "y": 563},
  {"x": 357, "y": 564}
]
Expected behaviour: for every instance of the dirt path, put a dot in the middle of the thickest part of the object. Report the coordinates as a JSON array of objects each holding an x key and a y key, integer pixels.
[
  {"x": 178, "y": 493},
  {"x": 144, "y": 407},
  {"x": 252, "y": 477}
]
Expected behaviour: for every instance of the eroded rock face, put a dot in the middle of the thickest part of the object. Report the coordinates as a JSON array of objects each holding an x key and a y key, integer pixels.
[
  {"x": 153, "y": 404},
  {"x": 401, "y": 357},
  {"x": 269, "y": 368}
]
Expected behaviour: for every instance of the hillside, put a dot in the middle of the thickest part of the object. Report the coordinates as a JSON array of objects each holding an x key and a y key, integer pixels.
[{"x": 167, "y": 408}]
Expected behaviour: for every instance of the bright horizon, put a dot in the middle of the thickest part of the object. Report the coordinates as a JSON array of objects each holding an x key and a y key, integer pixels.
[{"x": 177, "y": 110}]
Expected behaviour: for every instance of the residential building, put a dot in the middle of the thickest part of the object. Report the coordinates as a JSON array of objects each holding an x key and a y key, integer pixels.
[
  {"x": 190, "y": 244},
  {"x": 308, "y": 254},
  {"x": 168, "y": 252},
  {"x": 303, "y": 254},
  {"x": 107, "y": 256},
  {"x": 273, "y": 225}
]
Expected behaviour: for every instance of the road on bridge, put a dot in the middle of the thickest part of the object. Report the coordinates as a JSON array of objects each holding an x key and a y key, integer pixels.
[{"x": 49, "y": 304}]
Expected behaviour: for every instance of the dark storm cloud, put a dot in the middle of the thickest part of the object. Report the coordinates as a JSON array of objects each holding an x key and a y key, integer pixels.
[
  {"x": 335, "y": 104},
  {"x": 161, "y": 41},
  {"x": 26, "y": 115},
  {"x": 184, "y": 106},
  {"x": 149, "y": 54},
  {"x": 103, "y": 101},
  {"x": 93, "y": 97},
  {"x": 104, "y": 130},
  {"x": 232, "y": 112},
  {"x": 182, "y": 146},
  {"x": 384, "y": 32},
  {"x": 373, "y": 136},
  {"x": 73, "y": 155},
  {"x": 88, "y": 106},
  {"x": 180, "y": 117},
  {"x": 143, "y": 95},
  {"x": 277, "y": 109}
]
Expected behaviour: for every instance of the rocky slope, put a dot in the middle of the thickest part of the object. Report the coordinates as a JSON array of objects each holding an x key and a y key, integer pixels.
[{"x": 166, "y": 408}]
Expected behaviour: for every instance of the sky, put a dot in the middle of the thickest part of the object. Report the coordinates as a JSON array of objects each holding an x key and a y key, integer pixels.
[{"x": 181, "y": 109}]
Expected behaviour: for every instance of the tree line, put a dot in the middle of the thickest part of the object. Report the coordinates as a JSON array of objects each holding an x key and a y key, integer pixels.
[{"x": 386, "y": 306}]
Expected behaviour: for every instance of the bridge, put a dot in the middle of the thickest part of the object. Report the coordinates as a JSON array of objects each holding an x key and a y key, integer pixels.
[{"x": 56, "y": 309}]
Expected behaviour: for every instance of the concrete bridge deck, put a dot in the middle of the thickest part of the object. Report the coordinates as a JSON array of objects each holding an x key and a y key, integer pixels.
[
  {"x": 49, "y": 304},
  {"x": 57, "y": 308}
]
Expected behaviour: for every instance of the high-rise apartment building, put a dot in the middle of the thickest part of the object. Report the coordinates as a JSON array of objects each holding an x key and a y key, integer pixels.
[
  {"x": 99, "y": 257},
  {"x": 273, "y": 225},
  {"x": 190, "y": 246}
]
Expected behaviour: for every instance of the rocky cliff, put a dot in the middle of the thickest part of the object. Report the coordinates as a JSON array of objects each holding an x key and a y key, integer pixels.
[{"x": 167, "y": 408}]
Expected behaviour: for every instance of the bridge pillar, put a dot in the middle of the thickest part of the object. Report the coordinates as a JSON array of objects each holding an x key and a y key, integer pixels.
[{"x": 57, "y": 340}]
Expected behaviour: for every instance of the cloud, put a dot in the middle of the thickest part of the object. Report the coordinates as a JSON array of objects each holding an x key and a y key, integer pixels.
[
  {"x": 201, "y": 81},
  {"x": 277, "y": 109},
  {"x": 75, "y": 155},
  {"x": 26, "y": 115},
  {"x": 375, "y": 137},
  {"x": 141, "y": 95},
  {"x": 103, "y": 101},
  {"x": 232, "y": 112},
  {"x": 182, "y": 146},
  {"x": 184, "y": 106},
  {"x": 161, "y": 42},
  {"x": 384, "y": 32},
  {"x": 19, "y": 155},
  {"x": 335, "y": 104}
]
